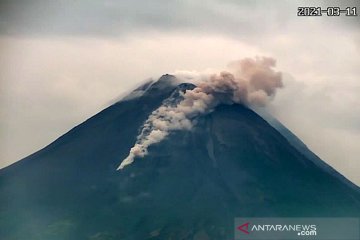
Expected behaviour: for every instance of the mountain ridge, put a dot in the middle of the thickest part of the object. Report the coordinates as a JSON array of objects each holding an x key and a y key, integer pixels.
[{"x": 194, "y": 183}]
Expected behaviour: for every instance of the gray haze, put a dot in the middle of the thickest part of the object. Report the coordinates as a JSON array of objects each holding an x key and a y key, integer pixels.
[{"x": 63, "y": 61}]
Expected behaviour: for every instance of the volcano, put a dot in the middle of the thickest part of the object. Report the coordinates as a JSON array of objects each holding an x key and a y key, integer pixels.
[{"x": 192, "y": 185}]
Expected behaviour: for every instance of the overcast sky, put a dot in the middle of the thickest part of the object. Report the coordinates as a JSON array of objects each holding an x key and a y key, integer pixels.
[{"x": 63, "y": 61}]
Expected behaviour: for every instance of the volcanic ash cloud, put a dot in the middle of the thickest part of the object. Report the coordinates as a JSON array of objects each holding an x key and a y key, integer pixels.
[{"x": 252, "y": 82}]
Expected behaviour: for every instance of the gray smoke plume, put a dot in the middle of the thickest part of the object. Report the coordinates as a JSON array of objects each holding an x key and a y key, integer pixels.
[{"x": 252, "y": 82}]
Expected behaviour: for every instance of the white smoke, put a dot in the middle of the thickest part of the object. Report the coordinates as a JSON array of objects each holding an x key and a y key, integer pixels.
[{"x": 252, "y": 82}]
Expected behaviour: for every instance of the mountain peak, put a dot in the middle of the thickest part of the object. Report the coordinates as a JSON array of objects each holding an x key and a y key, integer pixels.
[{"x": 165, "y": 81}]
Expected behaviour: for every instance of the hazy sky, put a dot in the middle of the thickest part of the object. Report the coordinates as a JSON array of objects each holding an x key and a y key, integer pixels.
[{"x": 63, "y": 61}]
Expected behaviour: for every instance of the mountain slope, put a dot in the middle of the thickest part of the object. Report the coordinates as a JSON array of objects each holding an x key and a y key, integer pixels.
[
  {"x": 302, "y": 148},
  {"x": 190, "y": 186}
]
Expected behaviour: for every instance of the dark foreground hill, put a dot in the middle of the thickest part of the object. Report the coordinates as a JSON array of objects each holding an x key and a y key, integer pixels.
[{"x": 190, "y": 186}]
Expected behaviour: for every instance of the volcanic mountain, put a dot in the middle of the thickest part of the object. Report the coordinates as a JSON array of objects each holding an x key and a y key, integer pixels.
[{"x": 192, "y": 185}]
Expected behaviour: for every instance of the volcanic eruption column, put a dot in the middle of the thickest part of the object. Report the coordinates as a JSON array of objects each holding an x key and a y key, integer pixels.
[{"x": 252, "y": 82}]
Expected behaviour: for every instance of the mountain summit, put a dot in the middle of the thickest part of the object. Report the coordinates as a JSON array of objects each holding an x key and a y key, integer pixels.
[{"x": 191, "y": 185}]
